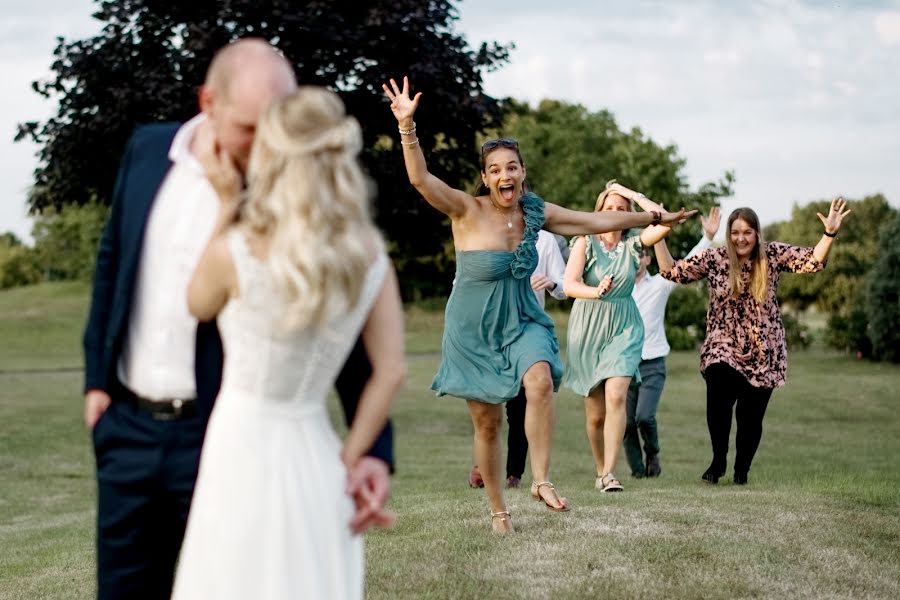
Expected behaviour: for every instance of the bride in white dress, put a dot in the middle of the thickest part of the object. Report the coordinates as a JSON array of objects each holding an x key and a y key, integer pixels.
[{"x": 293, "y": 282}]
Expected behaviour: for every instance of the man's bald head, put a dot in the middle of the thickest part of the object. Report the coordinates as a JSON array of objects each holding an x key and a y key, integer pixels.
[
  {"x": 250, "y": 60},
  {"x": 243, "y": 78}
]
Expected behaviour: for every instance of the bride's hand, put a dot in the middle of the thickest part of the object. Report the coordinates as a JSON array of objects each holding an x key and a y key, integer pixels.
[
  {"x": 218, "y": 165},
  {"x": 369, "y": 485},
  {"x": 402, "y": 105}
]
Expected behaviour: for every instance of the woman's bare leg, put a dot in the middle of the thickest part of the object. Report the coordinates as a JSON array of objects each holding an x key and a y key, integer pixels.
[
  {"x": 540, "y": 421},
  {"x": 487, "y": 420},
  {"x": 594, "y": 420},
  {"x": 614, "y": 425}
]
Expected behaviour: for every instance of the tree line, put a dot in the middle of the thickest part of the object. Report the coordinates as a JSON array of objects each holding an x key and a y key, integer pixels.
[{"x": 149, "y": 59}]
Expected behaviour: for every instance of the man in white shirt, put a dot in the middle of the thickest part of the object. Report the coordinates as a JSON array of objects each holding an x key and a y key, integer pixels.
[
  {"x": 547, "y": 277},
  {"x": 651, "y": 293}
]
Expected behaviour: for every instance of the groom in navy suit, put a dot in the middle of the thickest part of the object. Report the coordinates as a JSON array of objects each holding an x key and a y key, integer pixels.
[{"x": 151, "y": 371}]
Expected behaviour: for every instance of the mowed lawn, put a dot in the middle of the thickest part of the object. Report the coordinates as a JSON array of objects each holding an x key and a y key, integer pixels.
[{"x": 819, "y": 519}]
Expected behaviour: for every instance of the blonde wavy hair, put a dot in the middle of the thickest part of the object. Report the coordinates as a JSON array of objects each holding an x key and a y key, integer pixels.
[
  {"x": 307, "y": 194},
  {"x": 606, "y": 193},
  {"x": 759, "y": 271}
]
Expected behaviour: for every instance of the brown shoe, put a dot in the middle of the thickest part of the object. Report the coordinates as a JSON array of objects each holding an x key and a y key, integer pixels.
[
  {"x": 475, "y": 480},
  {"x": 513, "y": 482}
]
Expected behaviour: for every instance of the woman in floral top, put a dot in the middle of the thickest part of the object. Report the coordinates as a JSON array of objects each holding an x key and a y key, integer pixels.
[{"x": 744, "y": 356}]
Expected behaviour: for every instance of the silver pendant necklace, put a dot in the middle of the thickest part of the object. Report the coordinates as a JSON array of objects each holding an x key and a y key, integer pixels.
[{"x": 508, "y": 214}]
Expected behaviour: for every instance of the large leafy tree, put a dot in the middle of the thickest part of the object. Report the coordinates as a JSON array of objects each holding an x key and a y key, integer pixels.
[
  {"x": 151, "y": 55},
  {"x": 883, "y": 298},
  {"x": 840, "y": 290}
]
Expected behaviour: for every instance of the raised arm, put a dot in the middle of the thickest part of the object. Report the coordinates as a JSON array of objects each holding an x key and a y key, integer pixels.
[
  {"x": 565, "y": 221},
  {"x": 663, "y": 257},
  {"x": 450, "y": 201},
  {"x": 832, "y": 225},
  {"x": 215, "y": 280}
]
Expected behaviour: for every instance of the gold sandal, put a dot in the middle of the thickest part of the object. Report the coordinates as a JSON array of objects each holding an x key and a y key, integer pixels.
[
  {"x": 536, "y": 494},
  {"x": 503, "y": 515}
]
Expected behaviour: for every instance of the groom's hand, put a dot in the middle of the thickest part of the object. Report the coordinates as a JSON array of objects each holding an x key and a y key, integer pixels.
[{"x": 369, "y": 484}]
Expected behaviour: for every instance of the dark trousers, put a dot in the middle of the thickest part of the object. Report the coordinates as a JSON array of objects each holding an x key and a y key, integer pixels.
[
  {"x": 516, "y": 442},
  {"x": 725, "y": 388},
  {"x": 641, "y": 405},
  {"x": 146, "y": 470}
]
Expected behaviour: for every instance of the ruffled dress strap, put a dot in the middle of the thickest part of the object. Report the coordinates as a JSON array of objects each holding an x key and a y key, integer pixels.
[{"x": 526, "y": 256}]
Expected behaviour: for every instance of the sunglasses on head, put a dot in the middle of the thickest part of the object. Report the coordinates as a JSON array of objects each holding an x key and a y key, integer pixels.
[{"x": 497, "y": 143}]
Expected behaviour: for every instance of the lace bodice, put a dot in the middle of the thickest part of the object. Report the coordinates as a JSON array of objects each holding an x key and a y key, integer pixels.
[{"x": 269, "y": 366}]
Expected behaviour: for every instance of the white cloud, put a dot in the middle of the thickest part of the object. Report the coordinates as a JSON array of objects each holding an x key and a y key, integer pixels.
[{"x": 887, "y": 25}]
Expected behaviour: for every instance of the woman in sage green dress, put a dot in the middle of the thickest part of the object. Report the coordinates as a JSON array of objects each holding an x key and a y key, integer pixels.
[
  {"x": 497, "y": 339},
  {"x": 606, "y": 333}
]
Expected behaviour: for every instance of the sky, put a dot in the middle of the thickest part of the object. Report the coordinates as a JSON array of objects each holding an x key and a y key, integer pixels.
[{"x": 800, "y": 98}]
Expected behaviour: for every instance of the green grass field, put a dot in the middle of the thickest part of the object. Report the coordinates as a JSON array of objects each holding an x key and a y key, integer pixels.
[{"x": 819, "y": 519}]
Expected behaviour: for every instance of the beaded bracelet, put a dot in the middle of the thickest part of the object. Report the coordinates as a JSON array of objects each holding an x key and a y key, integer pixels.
[
  {"x": 409, "y": 131},
  {"x": 415, "y": 142}
]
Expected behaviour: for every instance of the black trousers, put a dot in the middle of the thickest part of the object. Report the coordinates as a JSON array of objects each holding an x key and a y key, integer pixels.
[
  {"x": 516, "y": 442},
  {"x": 728, "y": 390},
  {"x": 146, "y": 471}
]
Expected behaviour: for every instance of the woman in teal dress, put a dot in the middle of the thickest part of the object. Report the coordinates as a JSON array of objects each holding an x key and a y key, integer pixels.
[
  {"x": 497, "y": 339},
  {"x": 606, "y": 333}
]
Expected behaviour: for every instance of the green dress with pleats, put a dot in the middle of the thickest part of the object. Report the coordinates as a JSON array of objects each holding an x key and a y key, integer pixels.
[
  {"x": 494, "y": 327},
  {"x": 605, "y": 336}
]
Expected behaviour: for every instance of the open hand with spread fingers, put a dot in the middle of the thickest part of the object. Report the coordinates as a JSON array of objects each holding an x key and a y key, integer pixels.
[
  {"x": 711, "y": 223},
  {"x": 835, "y": 217},
  {"x": 402, "y": 105},
  {"x": 675, "y": 218}
]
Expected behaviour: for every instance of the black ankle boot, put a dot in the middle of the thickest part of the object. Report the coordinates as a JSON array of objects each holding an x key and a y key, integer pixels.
[
  {"x": 712, "y": 474},
  {"x": 740, "y": 478}
]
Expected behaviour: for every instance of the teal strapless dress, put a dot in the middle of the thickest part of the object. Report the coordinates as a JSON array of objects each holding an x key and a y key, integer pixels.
[{"x": 494, "y": 327}]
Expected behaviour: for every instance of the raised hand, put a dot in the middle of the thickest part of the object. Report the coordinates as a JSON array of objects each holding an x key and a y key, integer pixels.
[
  {"x": 835, "y": 216},
  {"x": 674, "y": 218},
  {"x": 402, "y": 105},
  {"x": 711, "y": 223}
]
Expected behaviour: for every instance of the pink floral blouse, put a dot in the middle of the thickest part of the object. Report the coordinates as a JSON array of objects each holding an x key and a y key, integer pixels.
[{"x": 740, "y": 332}]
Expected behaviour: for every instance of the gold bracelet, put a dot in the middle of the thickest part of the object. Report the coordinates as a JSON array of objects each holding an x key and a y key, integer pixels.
[
  {"x": 409, "y": 131},
  {"x": 415, "y": 142}
]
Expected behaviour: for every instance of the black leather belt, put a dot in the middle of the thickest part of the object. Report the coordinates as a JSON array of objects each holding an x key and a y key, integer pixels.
[{"x": 167, "y": 409}]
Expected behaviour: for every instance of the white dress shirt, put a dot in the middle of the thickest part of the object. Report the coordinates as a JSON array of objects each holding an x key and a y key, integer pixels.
[
  {"x": 550, "y": 263},
  {"x": 157, "y": 360},
  {"x": 651, "y": 293}
]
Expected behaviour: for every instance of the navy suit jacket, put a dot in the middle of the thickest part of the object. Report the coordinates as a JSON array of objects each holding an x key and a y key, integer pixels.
[{"x": 143, "y": 168}]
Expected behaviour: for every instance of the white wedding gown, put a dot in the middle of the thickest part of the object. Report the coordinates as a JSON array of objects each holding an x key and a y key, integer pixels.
[{"x": 270, "y": 516}]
